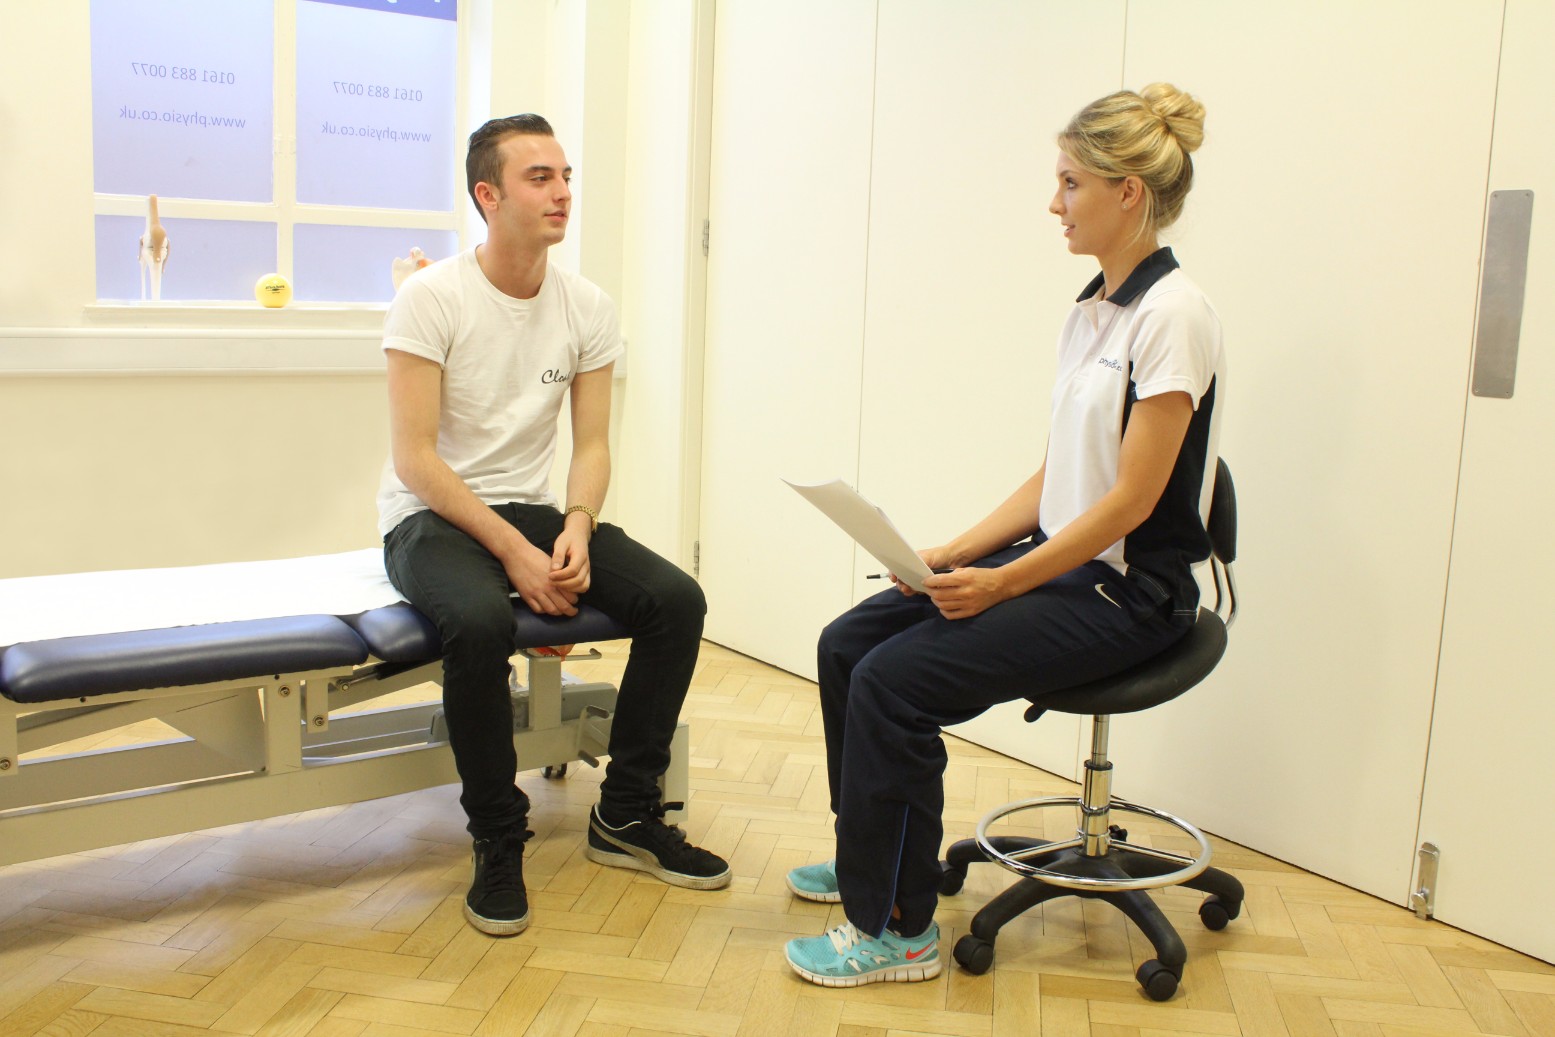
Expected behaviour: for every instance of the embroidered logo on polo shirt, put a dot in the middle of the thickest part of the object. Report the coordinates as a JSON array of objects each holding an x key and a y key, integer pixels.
[{"x": 1103, "y": 361}]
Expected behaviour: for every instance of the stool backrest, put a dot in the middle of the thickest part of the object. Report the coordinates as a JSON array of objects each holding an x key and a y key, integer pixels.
[
  {"x": 1222, "y": 514},
  {"x": 1222, "y": 539}
]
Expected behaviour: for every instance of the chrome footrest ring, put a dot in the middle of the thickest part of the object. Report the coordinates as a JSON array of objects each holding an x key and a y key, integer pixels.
[{"x": 1192, "y": 866}]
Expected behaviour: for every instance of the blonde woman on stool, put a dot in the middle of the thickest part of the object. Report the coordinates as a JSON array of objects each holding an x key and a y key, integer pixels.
[{"x": 1084, "y": 571}]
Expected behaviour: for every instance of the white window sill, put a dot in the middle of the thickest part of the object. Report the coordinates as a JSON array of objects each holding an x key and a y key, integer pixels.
[
  {"x": 194, "y": 339},
  {"x": 208, "y": 316},
  {"x": 205, "y": 339}
]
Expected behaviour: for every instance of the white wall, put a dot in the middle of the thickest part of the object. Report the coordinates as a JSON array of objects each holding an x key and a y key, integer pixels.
[
  {"x": 126, "y": 471},
  {"x": 585, "y": 101},
  {"x": 789, "y": 204},
  {"x": 46, "y": 268},
  {"x": 106, "y": 469},
  {"x": 661, "y": 258}
]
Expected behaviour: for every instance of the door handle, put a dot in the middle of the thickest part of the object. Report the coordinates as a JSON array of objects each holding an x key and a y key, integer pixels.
[{"x": 1503, "y": 278}]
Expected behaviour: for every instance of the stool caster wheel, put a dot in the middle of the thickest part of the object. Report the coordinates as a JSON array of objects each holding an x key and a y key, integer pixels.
[
  {"x": 1158, "y": 981},
  {"x": 1216, "y": 912},
  {"x": 950, "y": 879},
  {"x": 555, "y": 771},
  {"x": 975, "y": 954}
]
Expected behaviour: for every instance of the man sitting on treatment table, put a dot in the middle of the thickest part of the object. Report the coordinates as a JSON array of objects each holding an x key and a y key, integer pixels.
[{"x": 482, "y": 347}]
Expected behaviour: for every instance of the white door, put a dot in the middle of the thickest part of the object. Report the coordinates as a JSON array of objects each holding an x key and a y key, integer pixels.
[
  {"x": 1335, "y": 223},
  {"x": 793, "y": 86},
  {"x": 1492, "y": 762},
  {"x": 969, "y": 278}
]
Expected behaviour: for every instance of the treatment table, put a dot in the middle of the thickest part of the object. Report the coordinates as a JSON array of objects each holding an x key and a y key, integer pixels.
[{"x": 267, "y": 673}]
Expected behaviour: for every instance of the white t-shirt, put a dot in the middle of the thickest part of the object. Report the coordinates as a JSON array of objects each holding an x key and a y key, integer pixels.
[
  {"x": 1158, "y": 334},
  {"x": 507, "y": 364}
]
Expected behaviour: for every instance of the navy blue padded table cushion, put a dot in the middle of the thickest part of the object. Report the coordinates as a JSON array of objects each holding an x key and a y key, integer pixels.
[
  {"x": 400, "y": 634},
  {"x": 100, "y": 664}
]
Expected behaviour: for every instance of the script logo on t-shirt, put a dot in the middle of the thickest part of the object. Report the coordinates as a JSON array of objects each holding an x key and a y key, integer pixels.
[{"x": 555, "y": 376}]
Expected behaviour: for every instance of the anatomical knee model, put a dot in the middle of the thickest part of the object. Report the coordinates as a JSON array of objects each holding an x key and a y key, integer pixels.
[{"x": 154, "y": 249}]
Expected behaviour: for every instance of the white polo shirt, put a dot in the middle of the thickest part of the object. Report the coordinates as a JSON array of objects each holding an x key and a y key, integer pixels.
[
  {"x": 507, "y": 365},
  {"x": 1157, "y": 334}
]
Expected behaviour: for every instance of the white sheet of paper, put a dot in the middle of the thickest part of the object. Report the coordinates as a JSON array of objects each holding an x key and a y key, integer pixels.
[{"x": 867, "y": 525}]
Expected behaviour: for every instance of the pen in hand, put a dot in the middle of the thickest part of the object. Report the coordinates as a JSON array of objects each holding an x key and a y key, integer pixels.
[{"x": 882, "y": 576}]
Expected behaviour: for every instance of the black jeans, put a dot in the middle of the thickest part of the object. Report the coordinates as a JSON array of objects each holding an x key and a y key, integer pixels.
[
  {"x": 893, "y": 672},
  {"x": 463, "y": 590}
]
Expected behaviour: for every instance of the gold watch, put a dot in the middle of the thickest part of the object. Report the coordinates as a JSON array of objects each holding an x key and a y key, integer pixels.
[{"x": 590, "y": 512}]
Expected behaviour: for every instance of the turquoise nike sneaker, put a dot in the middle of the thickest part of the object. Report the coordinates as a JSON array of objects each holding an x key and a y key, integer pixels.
[
  {"x": 816, "y": 882},
  {"x": 845, "y": 957}
]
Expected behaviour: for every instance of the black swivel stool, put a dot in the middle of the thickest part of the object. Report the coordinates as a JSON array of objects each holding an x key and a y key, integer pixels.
[{"x": 1098, "y": 861}]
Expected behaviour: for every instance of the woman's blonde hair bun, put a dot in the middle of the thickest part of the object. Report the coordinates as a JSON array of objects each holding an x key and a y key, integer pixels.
[
  {"x": 1149, "y": 135},
  {"x": 1180, "y": 111}
]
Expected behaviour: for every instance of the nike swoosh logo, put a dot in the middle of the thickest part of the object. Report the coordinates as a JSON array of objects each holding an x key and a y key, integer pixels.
[
  {"x": 915, "y": 955},
  {"x": 1103, "y": 593}
]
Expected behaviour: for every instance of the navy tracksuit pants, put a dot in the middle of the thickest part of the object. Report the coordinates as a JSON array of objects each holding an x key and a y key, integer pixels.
[{"x": 893, "y": 672}]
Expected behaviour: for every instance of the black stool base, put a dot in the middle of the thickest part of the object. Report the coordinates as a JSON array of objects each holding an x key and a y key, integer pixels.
[{"x": 1158, "y": 977}]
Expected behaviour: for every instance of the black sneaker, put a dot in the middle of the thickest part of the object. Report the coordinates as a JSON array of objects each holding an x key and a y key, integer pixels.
[
  {"x": 648, "y": 844},
  {"x": 497, "y": 904}
]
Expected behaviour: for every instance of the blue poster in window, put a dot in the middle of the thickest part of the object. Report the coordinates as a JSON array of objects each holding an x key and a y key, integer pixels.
[
  {"x": 356, "y": 264},
  {"x": 182, "y": 98},
  {"x": 375, "y": 103},
  {"x": 444, "y": 9}
]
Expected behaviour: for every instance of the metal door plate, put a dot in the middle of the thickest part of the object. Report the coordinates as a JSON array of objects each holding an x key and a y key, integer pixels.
[{"x": 1503, "y": 278}]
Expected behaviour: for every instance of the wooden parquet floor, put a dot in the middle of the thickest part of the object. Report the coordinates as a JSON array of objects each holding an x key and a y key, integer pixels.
[{"x": 346, "y": 923}]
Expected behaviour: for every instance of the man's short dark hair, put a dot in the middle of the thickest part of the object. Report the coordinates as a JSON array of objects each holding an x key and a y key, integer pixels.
[{"x": 484, "y": 162}]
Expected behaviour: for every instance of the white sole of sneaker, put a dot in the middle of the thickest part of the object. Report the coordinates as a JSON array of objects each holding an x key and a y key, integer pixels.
[
  {"x": 900, "y": 974},
  {"x": 819, "y": 898},
  {"x": 627, "y": 860},
  {"x": 495, "y": 926}
]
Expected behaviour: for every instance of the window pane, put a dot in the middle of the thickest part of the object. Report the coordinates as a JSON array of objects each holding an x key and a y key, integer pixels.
[
  {"x": 208, "y": 259},
  {"x": 375, "y": 104},
  {"x": 355, "y": 264},
  {"x": 182, "y": 95}
]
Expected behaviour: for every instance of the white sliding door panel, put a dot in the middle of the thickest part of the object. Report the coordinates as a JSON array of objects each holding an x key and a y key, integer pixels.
[
  {"x": 1335, "y": 223},
  {"x": 969, "y": 278},
  {"x": 792, "y": 96},
  {"x": 1490, "y": 769}
]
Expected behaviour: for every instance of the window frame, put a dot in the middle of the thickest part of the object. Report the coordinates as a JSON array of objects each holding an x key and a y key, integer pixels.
[{"x": 284, "y": 211}]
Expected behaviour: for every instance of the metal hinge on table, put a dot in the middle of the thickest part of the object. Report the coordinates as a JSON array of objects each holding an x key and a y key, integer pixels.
[{"x": 1423, "y": 899}]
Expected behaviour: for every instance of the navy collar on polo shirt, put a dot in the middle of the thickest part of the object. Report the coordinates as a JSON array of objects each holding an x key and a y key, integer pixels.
[{"x": 1150, "y": 270}]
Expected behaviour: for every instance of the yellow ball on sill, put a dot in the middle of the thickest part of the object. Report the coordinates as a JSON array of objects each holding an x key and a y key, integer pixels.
[{"x": 273, "y": 291}]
